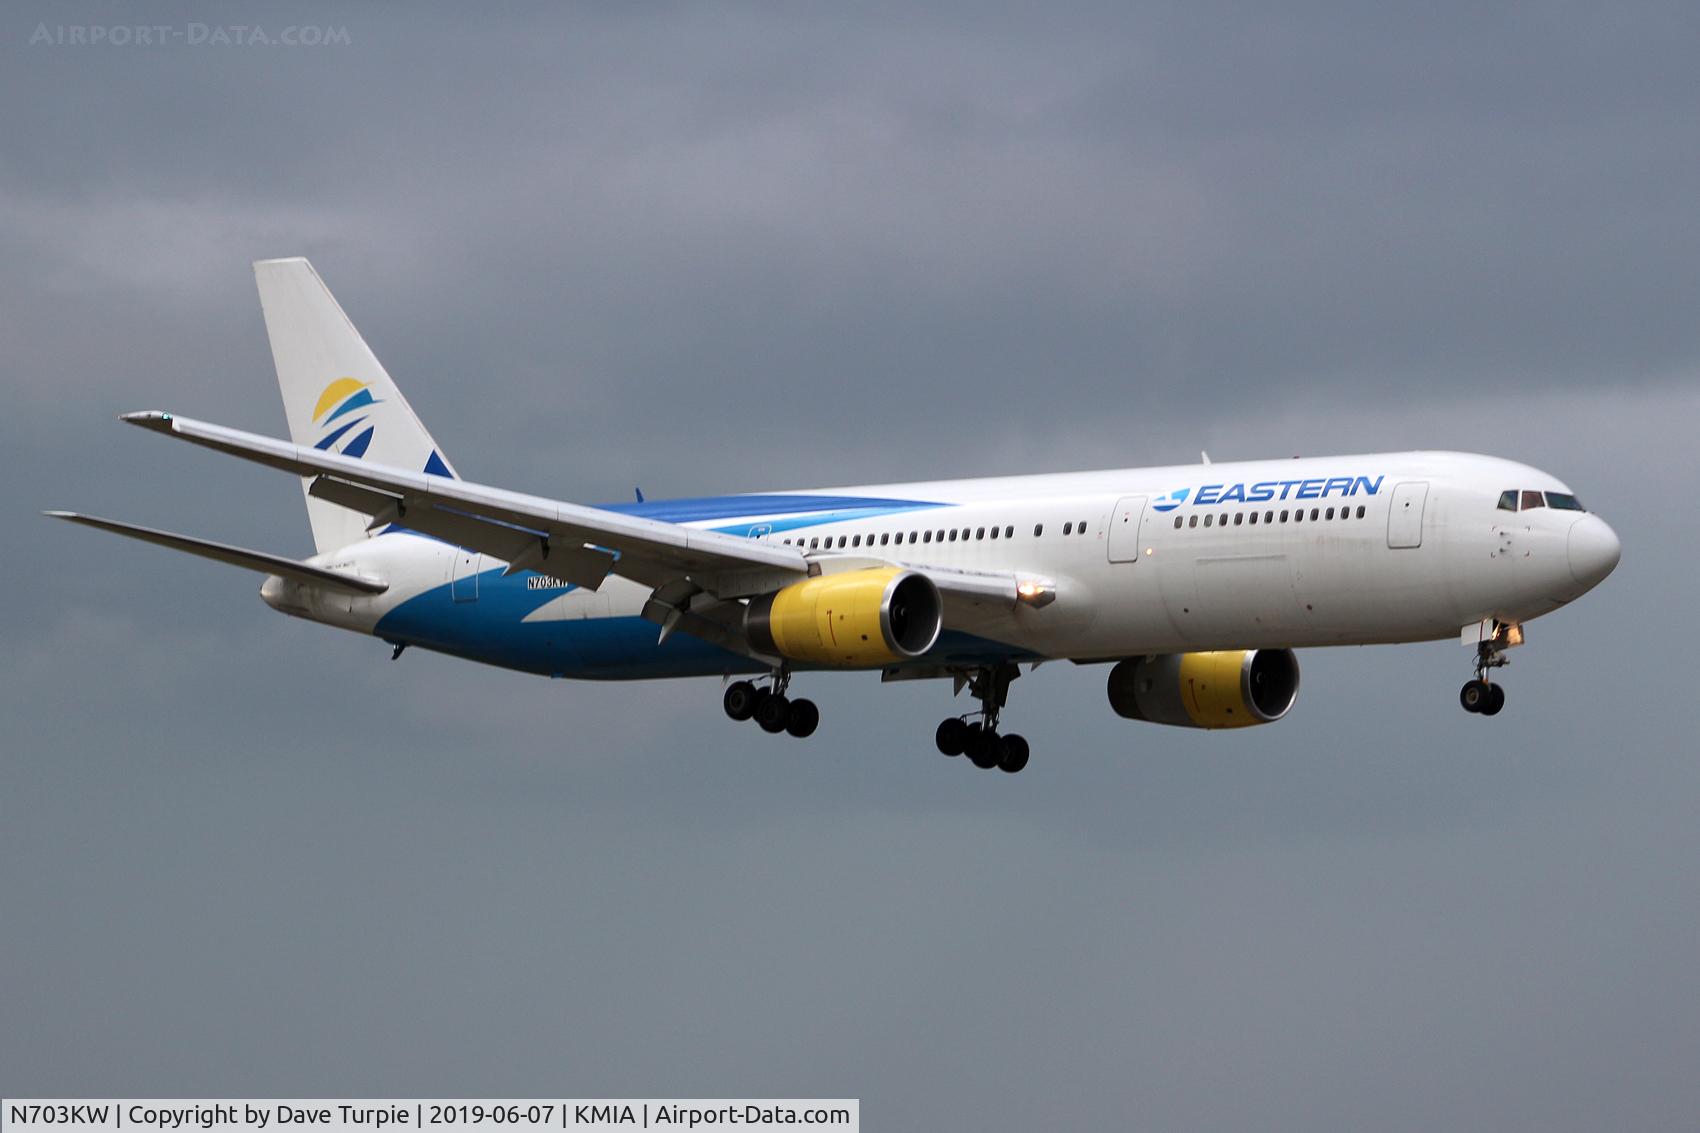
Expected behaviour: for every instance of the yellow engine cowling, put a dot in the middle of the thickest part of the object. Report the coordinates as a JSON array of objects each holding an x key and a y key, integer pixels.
[
  {"x": 857, "y": 619},
  {"x": 1234, "y": 688}
]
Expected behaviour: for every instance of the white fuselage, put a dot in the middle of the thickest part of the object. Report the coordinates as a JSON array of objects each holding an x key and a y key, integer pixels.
[{"x": 1316, "y": 551}]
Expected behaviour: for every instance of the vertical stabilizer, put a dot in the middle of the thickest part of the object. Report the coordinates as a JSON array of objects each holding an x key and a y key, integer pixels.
[{"x": 336, "y": 394}]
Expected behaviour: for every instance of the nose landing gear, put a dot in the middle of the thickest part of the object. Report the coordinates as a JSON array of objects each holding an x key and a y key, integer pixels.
[
  {"x": 979, "y": 740},
  {"x": 1482, "y": 696},
  {"x": 770, "y": 708}
]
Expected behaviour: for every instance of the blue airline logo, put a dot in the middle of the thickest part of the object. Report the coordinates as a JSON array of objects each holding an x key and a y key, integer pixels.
[
  {"x": 1320, "y": 488},
  {"x": 1171, "y": 501}
]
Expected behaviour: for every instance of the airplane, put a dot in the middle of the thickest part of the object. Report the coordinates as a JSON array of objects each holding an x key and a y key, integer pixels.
[{"x": 1193, "y": 583}]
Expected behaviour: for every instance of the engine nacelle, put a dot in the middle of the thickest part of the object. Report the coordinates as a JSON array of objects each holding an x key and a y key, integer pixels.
[
  {"x": 1234, "y": 688},
  {"x": 856, "y": 619}
]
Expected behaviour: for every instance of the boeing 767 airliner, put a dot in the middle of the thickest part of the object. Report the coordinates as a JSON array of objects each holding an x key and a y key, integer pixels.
[{"x": 1193, "y": 583}]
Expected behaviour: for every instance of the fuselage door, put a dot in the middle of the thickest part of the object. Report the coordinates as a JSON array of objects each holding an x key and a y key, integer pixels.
[
  {"x": 463, "y": 584},
  {"x": 1126, "y": 523},
  {"x": 1405, "y": 519}
]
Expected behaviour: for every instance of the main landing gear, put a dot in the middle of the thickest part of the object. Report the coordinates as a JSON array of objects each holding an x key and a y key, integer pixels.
[
  {"x": 770, "y": 708},
  {"x": 979, "y": 739},
  {"x": 1482, "y": 696}
]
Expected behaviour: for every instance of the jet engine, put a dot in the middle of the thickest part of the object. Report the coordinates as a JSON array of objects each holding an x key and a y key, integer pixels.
[
  {"x": 856, "y": 619},
  {"x": 1234, "y": 688}
]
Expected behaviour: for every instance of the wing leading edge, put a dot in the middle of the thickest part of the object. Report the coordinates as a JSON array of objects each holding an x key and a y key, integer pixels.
[
  {"x": 580, "y": 544},
  {"x": 572, "y": 541}
]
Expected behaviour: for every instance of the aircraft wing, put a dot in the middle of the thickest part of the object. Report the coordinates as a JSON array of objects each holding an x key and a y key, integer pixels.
[{"x": 580, "y": 544}]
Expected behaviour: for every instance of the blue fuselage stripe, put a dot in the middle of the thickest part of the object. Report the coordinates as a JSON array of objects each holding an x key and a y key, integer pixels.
[{"x": 492, "y": 627}]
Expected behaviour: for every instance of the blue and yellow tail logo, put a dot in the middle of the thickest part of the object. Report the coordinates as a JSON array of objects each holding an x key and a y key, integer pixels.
[
  {"x": 1171, "y": 501},
  {"x": 341, "y": 398}
]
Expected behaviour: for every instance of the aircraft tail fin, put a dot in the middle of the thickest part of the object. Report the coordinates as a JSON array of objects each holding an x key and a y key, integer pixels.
[{"x": 336, "y": 394}]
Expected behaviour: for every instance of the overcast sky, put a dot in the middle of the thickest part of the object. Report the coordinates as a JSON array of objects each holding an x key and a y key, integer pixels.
[{"x": 722, "y": 248}]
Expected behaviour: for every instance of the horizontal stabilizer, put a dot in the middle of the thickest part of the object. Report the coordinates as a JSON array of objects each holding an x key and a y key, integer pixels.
[{"x": 235, "y": 556}]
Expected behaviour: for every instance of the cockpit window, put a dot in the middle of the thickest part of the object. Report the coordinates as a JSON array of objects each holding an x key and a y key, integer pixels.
[
  {"x": 1564, "y": 501},
  {"x": 1532, "y": 500},
  {"x": 1508, "y": 500}
]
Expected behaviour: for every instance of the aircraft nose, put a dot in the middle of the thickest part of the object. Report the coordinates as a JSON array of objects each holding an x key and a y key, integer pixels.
[{"x": 1594, "y": 550}]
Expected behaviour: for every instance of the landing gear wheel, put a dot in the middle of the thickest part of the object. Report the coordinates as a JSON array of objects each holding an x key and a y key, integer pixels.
[
  {"x": 982, "y": 747},
  {"x": 1495, "y": 701},
  {"x": 952, "y": 736},
  {"x": 802, "y": 718},
  {"x": 1012, "y": 753},
  {"x": 772, "y": 712},
  {"x": 1476, "y": 695},
  {"x": 740, "y": 700}
]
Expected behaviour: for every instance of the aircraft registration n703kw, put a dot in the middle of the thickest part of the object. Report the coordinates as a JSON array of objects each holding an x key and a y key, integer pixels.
[{"x": 1193, "y": 584}]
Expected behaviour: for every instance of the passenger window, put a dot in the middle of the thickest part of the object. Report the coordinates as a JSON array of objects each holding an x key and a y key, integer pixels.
[
  {"x": 953, "y": 534},
  {"x": 1532, "y": 500},
  {"x": 1009, "y": 532},
  {"x": 940, "y": 537},
  {"x": 1254, "y": 519},
  {"x": 1330, "y": 514},
  {"x": 1038, "y": 530},
  {"x": 926, "y": 536},
  {"x": 1360, "y": 511},
  {"x": 814, "y": 543},
  {"x": 1081, "y": 527},
  {"x": 1299, "y": 516},
  {"x": 995, "y": 532},
  {"x": 1068, "y": 529},
  {"x": 1239, "y": 518},
  {"x": 1269, "y": 517},
  {"x": 1313, "y": 514},
  {"x": 1283, "y": 516},
  {"x": 885, "y": 537},
  {"x": 979, "y": 533},
  {"x": 1177, "y": 523},
  {"x": 856, "y": 542},
  {"x": 1207, "y": 520},
  {"x": 1564, "y": 501},
  {"x": 1192, "y": 521},
  {"x": 1508, "y": 501}
]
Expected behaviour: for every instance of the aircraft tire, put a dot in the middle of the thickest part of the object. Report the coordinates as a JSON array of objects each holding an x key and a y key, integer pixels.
[
  {"x": 952, "y": 736},
  {"x": 1473, "y": 695},
  {"x": 1495, "y": 700},
  {"x": 740, "y": 700},
  {"x": 982, "y": 748},
  {"x": 802, "y": 718},
  {"x": 1012, "y": 753},
  {"x": 772, "y": 712}
]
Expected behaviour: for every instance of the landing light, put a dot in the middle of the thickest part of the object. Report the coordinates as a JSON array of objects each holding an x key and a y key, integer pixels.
[{"x": 1035, "y": 593}]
